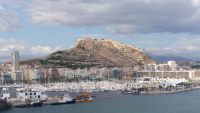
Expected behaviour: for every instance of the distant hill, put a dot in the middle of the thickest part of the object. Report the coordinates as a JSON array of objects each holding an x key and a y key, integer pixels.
[
  {"x": 90, "y": 52},
  {"x": 174, "y": 58}
]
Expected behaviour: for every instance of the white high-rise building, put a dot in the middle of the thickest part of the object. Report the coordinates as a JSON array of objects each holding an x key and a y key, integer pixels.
[{"x": 15, "y": 65}]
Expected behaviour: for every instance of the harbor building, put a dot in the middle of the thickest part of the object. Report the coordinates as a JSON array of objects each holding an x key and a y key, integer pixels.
[
  {"x": 168, "y": 70},
  {"x": 178, "y": 74}
]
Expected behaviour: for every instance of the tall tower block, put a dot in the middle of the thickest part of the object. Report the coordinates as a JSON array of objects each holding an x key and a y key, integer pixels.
[{"x": 15, "y": 64}]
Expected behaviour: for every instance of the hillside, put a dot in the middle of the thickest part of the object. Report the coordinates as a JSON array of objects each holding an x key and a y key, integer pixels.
[{"x": 90, "y": 52}]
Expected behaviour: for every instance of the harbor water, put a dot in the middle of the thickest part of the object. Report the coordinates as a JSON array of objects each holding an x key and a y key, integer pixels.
[{"x": 115, "y": 102}]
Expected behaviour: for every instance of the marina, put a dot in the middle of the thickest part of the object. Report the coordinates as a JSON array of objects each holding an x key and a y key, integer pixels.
[{"x": 37, "y": 95}]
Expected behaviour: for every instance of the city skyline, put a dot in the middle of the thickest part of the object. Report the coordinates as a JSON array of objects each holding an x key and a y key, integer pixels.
[{"x": 40, "y": 27}]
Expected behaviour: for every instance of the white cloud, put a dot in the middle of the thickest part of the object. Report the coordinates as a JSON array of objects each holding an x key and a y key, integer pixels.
[
  {"x": 12, "y": 47},
  {"x": 9, "y": 20},
  {"x": 196, "y": 2},
  {"x": 9, "y": 45},
  {"x": 120, "y": 17},
  {"x": 192, "y": 48},
  {"x": 189, "y": 47},
  {"x": 1, "y": 7},
  {"x": 41, "y": 49}
]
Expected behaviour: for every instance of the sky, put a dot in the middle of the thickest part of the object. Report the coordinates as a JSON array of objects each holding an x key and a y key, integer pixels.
[{"x": 159, "y": 27}]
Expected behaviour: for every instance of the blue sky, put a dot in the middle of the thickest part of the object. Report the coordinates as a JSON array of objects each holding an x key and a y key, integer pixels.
[{"x": 39, "y": 27}]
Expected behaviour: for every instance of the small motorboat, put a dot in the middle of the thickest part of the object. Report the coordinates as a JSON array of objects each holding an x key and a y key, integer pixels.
[
  {"x": 84, "y": 97},
  {"x": 66, "y": 99}
]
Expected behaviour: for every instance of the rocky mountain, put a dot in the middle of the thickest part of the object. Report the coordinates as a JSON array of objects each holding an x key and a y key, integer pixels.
[{"x": 90, "y": 52}]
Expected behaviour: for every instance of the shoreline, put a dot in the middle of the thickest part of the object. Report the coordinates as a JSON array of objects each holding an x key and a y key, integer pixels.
[{"x": 168, "y": 92}]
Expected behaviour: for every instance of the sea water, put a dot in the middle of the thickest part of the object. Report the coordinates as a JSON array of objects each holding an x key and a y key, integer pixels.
[{"x": 115, "y": 102}]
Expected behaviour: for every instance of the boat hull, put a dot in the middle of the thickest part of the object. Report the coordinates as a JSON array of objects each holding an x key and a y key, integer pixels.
[
  {"x": 36, "y": 104},
  {"x": 22, "y": 105},
  {"x": 4, "y": 105},
  {"x": 68, "y": 102},
  {"x": 85, "y": 100},
  {"x": 71, "y": 102}
]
